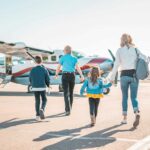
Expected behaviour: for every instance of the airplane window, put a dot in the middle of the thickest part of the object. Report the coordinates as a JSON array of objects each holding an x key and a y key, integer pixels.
[
  {"x": 53, "y": 58},
  {"x": 18, "y": 61},
  {"x": 2, "y": 61},
  {"x": 45, "y": 58},
  {"x": 22, "y": 62}
]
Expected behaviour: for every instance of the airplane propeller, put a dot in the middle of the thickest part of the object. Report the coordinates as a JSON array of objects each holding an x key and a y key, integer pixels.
[{"x": 113, "y": 57}]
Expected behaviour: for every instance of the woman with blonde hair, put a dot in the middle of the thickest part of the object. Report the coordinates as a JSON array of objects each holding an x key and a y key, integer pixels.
[{"x": 126, "y": 58}]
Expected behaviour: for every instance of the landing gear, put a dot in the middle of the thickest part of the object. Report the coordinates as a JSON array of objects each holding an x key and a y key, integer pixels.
[
  {"x": 29, "y": 89},
  {"x": 106, "y": 91},
  {"x": 61, "y": 88}
]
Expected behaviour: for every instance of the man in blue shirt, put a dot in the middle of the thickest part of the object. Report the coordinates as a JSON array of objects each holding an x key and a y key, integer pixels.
[
  {"x": 69, "y": 65},
  {"x": 39, "y": 79}
]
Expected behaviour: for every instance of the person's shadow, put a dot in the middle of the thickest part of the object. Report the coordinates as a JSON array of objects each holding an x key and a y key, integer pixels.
[
  {"x": 59, "y": 115},
  {"x": 52, "y": 94},
  {"x": 92, "y": 140},
  {"x": 57, "y": 134},
  {"x": 16, "y": 121}
]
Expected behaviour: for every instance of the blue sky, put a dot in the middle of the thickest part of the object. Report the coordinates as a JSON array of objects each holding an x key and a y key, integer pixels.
[{"x": 91, "y": 26}]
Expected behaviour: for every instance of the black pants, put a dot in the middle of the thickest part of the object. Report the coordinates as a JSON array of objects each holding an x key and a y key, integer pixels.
[
  {"x": 94, "y": 103},
  {"x": 68, "y": 83},
  {"x": 38, "y": 95}
]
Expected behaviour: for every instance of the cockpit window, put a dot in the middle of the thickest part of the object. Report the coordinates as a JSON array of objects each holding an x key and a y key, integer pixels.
[{"x": 78, "y": 54}]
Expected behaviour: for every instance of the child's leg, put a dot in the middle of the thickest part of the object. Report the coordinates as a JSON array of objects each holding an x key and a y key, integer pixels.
[
  {"x": 37, "y": 103},
  {"x": 44, "y": 99},
  {"x": 91, "y": 106},
  {"x": 92, "y": 111},
  {"x": 97, "y": 100}
]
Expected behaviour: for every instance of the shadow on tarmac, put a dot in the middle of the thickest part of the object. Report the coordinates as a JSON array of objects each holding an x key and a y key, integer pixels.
[
  {"x": 14, "y": 93},
  {"x": 59, "y": 115},
  {"x": 84, "y": 142},
  {"x": 57, "y": 134},
  {"x": 15, "y": 122}
]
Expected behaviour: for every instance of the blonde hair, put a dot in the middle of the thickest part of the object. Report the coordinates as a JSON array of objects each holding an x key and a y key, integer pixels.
[
  {"x": 126, "y": 40},
  {"x": 67, "y": 49}
]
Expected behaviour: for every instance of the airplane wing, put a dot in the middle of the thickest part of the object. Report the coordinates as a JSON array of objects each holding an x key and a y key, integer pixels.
[{"x": 21, "y": 50}]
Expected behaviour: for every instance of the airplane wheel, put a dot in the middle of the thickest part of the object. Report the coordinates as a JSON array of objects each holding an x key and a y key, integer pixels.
[
  {"x": 106, "y": 91},
  {"x": 29, "y": 89},
  {"x": 61, "y": 88}
]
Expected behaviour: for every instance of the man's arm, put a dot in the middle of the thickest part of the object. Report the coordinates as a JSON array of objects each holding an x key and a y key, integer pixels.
[
  {"x": 80, "y": 72},
  {"x": 57, "y": 70}
]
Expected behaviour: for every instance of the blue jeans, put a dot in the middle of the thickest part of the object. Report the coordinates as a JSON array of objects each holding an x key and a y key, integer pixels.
[
  {"x": 132, "y": 83},
  {"x": 40, "y": 95},
  {"x": 94, "y": 103}
]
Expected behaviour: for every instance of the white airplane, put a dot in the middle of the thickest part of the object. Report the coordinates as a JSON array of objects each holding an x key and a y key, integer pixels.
[{"x": 17, "y": 60}]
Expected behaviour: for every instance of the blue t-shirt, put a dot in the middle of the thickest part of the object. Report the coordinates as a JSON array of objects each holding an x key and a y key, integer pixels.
[{"x": 68, "y": 63}]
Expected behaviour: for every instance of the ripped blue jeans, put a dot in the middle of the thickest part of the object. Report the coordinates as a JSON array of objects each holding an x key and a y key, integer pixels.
[{"x": 132, "y": 83}]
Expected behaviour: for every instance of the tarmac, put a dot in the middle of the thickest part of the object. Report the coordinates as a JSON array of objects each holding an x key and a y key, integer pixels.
[{"x": 20, "y": 131}]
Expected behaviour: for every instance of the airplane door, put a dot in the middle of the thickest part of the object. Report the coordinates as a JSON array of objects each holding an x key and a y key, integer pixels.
[
  {"x": 8, "y": 64},
  {"x": 2, "y": 65}
]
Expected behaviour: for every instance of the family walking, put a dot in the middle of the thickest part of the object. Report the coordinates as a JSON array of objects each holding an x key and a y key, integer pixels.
[{"x": 126, "y": 59}]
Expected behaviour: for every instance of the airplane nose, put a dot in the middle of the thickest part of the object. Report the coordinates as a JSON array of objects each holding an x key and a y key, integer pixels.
[{"x": 106, "y": 66}]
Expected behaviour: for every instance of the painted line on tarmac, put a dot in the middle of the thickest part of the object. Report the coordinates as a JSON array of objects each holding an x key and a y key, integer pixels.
[
  {"x": 143, "y": 144},
  {"x": 96, "y": 138}
]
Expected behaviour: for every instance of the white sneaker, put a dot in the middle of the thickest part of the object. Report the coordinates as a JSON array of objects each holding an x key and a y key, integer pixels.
[
  {"x": 37, "y": 118},
  {"x": 42, "y": 116},
  {"x": 124, "y": 122}
]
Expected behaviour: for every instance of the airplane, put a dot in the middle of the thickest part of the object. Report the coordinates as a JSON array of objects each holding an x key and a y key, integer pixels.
[{"x": 17, "y": 60}]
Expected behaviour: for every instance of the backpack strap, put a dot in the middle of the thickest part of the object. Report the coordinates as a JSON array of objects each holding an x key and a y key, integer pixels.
[{"x": 137, "y": 52}]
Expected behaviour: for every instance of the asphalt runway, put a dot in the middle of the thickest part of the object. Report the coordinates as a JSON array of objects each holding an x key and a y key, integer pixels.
[{"x": 20, "y": 131}]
